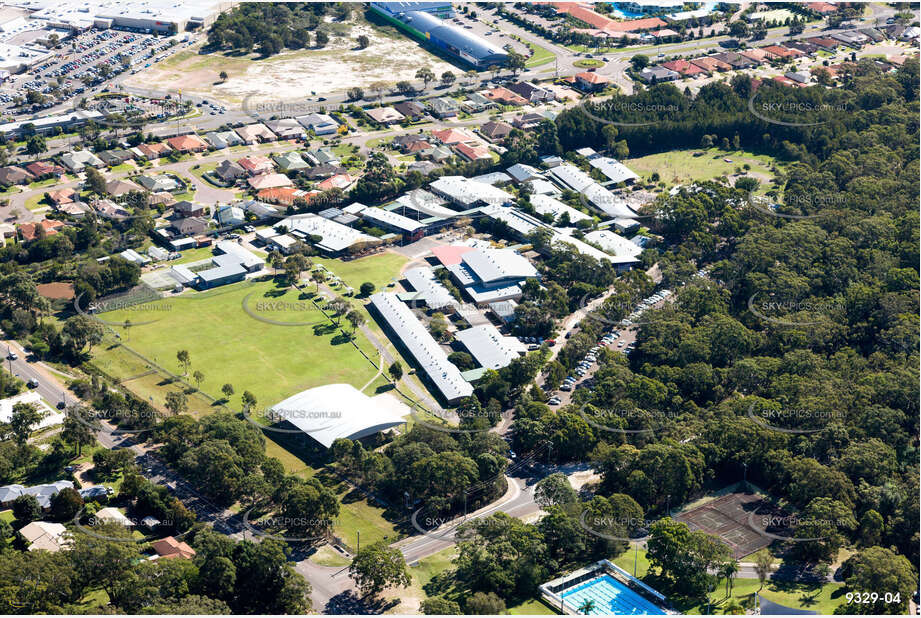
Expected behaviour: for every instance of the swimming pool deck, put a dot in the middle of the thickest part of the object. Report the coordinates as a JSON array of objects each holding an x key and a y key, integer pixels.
[{"x": 601, "y": 583}]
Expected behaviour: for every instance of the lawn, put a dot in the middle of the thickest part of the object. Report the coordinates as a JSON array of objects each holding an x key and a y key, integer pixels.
[
  {"x": 682, "y": 167},
  {"x": 541, "y": 56},
  {"x": 7, "y": 516},
  {"x": 194, "y": 255},
  {"x": 379, "y": 269},
  {"x": 47, "y": 182},
  {"x": 37, "y": 201},
  {"x": 534, "y": 607},
  {"x": 588, "y": 63},
  {"x": 228, "y": 345},
  {"x": 356, "y": 515}
]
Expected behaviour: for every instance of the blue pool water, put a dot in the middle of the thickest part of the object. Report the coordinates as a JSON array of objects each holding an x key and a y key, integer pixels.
[{"x": 611, "y": 597}]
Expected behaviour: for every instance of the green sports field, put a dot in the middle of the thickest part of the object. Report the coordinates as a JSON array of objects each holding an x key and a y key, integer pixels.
[{"x": 230, "y": 343}]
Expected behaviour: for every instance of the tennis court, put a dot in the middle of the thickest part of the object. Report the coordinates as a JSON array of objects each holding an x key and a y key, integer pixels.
[{"x": 728, "y": 517}]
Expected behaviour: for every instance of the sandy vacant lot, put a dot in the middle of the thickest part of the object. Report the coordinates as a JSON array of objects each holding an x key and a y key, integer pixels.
[{"x": 290, "y": 76}]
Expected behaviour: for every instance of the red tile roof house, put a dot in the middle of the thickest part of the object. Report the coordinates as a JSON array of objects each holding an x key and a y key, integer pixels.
[
  {"x": 505, "y": 96},
  {"x": 284, "y": 195},
  {"x": 256, "y": 164},
  {"x": 823, "y": 42},
  {"x": 41, "y": 169},
  {"x": 415, "y": 147},
  {"x": 62, "y": 196},
  {"x": 822, "y": 8},
  {"x": 154, "y": 151},
  {"x": 451, "y": 136},
  {"x": 711, "y": 65},
  {"x": 590, "y": 82},
  {"x": 783, "y": 52},
  {"x": 187, "y": 143},
  {"x": 339, "y": 181},
  {"x": 472, "y": 153},
  {"x": 46, "y": 227},
  {"x": 171, "y": 548},
  {"x": 684, "y": 67},
  {"x": 756, "y": 55},
  {"x": 269, "y": 181}
]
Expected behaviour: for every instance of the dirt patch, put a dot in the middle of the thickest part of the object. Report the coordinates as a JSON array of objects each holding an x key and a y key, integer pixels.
[
  {"x": 289, "y": 76},
  {"x": 57, "y": 290}
]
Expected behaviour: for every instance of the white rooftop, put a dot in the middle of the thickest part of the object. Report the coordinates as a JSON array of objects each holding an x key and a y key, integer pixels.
[
  {"x": 333, "y": 411},
  {"x": 612, "y": 243},
  {"x": 393, "y": 219},
  {"x": 427, "y": 288},
  {"x": 423, "y": 347},
  {"x": 489, "y": 347},
  {"x": 468, "y": 192},
  {"x": 493, "y": 265},
  {"x": 336, "y": 236},
  {"x": 613, "y": 169},
  {"x": 549, "y": 205}
]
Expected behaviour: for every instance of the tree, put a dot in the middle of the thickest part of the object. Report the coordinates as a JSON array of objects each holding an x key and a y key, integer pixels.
[
  {"x": 764, "y": 561},
  {"x": 223, "y": 76},
  {"x": 26, "y": 509},
  {"x": 366, "y": 289},
  {"x": 377, "y": 567},
  {"x": 878, "y": 569},
  {"x": 24, "y": 417},
  {"x": 555, "y": 489},
  {"x": 684, "y": 557},
  {"x": 396, "y": 371},
  {"x": 471, "y": 75},
  {"x": 405, "y": 88},
  {"x": 426, "y": 75},
  {"x": 249, "y": 400},
  {"x": 36, "y": 144},
  {"x": 185, "y": 360},
  {"x": 728, "y": 572},
  {"x": 199, "y": 377},
  {"x": 318, "y": 277},
  {"x": 355, "y": 93},
  {"x": 355, "y": 318},
  {"x": 448, "y": 78},
  {"x": 322, "y": 38},
  {"x": 227, "y": 389},
  {"x": 639, "y": 62},
  {"x": 440, "y": 606},
  {"x": 587, "y": 606},
  {"x": 484, "y": 604},
  {"x": 82, "y": 333},
  {"x": 176, "y": 402},
  {"x": 66, "y": 504},
  {"x": 76, "y": 430},
  {"x": 363, "y": 41}
]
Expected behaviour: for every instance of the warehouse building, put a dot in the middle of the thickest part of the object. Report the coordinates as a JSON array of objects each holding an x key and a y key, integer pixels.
[
  {"x": 417, "y": 340},
  {"x": 419, "y": 20},
  {"x": 169, "y": 16}
]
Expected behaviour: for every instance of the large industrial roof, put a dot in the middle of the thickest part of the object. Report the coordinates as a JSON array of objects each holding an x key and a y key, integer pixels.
[
  {"x": 571, "y": 177},
  {"x": 468, "y": 192},
  {"x": 393, "y": 219},
  {"x": 493, "y": 265},
  {"x": 613, "y": 169},
  {"x": 489, "y": 347},
  {"x": 327, "y": 413},
  {"x": 466, "y": 42},
  {"x": 423, "y": 347},
  {"x": 336, "y": 236}
]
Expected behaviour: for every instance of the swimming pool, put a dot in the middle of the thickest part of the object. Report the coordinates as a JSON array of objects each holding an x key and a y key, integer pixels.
[{"x": 610, "y": 597}]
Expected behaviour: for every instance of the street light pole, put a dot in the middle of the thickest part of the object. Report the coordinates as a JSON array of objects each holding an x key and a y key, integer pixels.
[{"x": 358, "y": 549}]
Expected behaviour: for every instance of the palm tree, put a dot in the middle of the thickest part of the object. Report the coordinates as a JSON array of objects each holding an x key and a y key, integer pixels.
[
  {"x": 733, "y": 607},
  {"x": 587, "y": 606},
  {"x": 727, "y": 572}
]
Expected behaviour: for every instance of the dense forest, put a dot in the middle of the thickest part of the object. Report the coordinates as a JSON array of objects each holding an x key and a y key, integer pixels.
[{"x": 271, "y": 27}]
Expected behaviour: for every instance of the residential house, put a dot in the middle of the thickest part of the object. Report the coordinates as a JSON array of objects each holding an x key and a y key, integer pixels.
[
  {"x": 290, "y": 161},
  {"x": 285, "y": 196},
  {"x": 256, "y": 133},
  {"x": 783, "y": 52},
  {"x": 322, "y": 156},
  {"x": 439, "y": 154},
  {"x": 229, "y": 171},
  {"x": 117, "y": 187},
  {"x": 423, "y": 167},
  {"x": 259, "y": 209},
  {"x": 112, "y": 515},
  {"x": 411, "y": 110},
  {"x": 531, "y": 92},
  {"x": 323, "y": 171},
  {"x": 256, "y": 164},
  {"x": 476, "y": 102},
  {"x": 528, "y": 121},
  {"x": 223, "y": 139},
  {"x": 755, "y": 55},
  {"x": 339, "y": 181},
  {"x": 822, "y": 8},
  {"x": 683, "y": 67},
  {"x": 45, "y": 169},
  {"x": 42, "y": 493},
  {"x": 385, "y": 115},
  {"x": 804, "y": 46},
  {"x": 443, "y": 107},
  {"x": 403, "y": 142},
  {"x": 108, "y": 209},
  {"x": 44, "y": 535},
  {"x": 32, "y": 231},
  {"x": 710, "y": 64},
  {"x": 504, "y": 96},
  {"x": 736, "y": 61},
  {"x": 269, "y": 181},
  {"x": 229, "y": 216},
  {"x": 823, "y": 42},
  {"x": 590, "y": 82},
  {"x": 169, "y": 547},
  {"x": 452, "y": 136},
  {"x": 320, "y": 124},
  {"x": 415, "y": 147},
  {"x": 473, "y": 153},
  {"x": 115, "y": 156},
  {"x": 495, "y": 131},
  {"x": 161, "y": 182},
  {"x": 185, "y": 209},
  {"x": 187, "y": 143},
  {"x": 10, "y": 175},
  {"x": 190, "y": 226},
  {"x": 154, "y": 151},
  {"x": 853, "y": 39},
  {"x": 62, "y": 196},
  {"x": 286, "y": 128}
]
